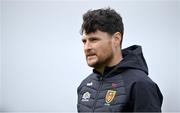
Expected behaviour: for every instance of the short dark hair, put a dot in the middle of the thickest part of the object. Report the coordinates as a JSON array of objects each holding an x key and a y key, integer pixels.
[{"x": 106, "y": 20}]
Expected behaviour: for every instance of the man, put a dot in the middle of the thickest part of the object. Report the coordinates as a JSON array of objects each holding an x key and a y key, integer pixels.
[{"x": 119, "y": 82}]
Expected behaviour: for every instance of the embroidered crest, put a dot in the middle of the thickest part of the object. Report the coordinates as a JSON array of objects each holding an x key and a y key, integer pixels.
[
  {"x": 86, "y": 96},
  {"x": 110, "y": 96},
  {"x": 114, "y": 85}
]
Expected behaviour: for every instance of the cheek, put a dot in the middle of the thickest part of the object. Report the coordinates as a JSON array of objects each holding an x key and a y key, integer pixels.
[{"x": 105, "y": 50}]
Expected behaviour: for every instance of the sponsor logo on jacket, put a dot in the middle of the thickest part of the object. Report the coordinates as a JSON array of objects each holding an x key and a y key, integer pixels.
[{"x": 86, "y": 96}]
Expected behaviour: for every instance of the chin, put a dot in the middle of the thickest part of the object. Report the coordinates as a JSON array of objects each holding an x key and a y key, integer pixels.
[{"x": 92, "y": 64}]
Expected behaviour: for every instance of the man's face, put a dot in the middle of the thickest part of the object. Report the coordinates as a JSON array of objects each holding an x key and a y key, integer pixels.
[{"x": 98, "y": 48}]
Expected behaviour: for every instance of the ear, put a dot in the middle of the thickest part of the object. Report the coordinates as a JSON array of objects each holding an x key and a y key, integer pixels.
[{"x": 117, "y": 39}]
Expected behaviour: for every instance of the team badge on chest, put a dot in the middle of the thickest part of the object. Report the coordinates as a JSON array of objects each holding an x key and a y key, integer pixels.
[{"x": 110, "y": 96}]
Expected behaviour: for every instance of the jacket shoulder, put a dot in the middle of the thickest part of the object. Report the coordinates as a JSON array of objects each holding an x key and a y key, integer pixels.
[
  {"x": 91, "y": 77},
  {"x": 139, "y": 87}
]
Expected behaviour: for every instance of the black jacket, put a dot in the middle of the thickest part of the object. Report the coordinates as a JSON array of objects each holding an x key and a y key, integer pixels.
[{"x": 122, "y": 88}]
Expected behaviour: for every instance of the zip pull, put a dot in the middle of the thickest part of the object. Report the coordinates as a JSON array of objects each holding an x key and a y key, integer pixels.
[{"x": 100, "y": 78}]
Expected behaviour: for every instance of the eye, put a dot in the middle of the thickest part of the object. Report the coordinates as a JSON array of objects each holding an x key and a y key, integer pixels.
[
  {"x": 83, "y": 41},
  {"x": 93, "y": 39}
]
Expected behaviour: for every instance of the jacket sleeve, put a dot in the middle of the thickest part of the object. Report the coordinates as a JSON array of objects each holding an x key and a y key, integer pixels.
[{"x": 146, "y": 97}]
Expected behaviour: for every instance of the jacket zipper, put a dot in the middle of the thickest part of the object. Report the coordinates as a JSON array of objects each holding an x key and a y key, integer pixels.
[{"x": 97, "y": 94}]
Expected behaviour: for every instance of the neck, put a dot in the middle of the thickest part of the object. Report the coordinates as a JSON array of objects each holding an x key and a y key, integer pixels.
[{"x": 100, "y": 70}]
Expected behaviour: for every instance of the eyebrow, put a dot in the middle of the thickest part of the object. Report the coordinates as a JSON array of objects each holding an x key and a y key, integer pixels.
[{"x": 91, "y": 37}]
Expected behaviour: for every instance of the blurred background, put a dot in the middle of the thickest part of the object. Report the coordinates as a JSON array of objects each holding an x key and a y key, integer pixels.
[{"x": 41, "y": 54}]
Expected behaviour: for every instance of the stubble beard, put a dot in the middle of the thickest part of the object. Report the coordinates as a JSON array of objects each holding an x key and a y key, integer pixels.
[{"x": 101, "y": 62}]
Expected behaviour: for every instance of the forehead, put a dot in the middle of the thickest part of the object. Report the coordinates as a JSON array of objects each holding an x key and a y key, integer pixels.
[{"x": 97, "y": 34}]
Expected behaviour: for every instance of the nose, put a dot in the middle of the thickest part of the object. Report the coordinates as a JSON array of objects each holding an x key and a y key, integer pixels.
[{"x": 87, "y": 46}]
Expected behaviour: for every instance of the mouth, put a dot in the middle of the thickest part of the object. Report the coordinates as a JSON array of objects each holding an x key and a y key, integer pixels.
[{"x": 90, "y": 56}]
